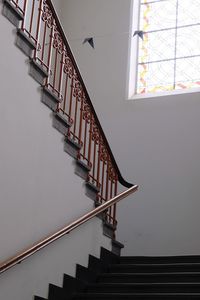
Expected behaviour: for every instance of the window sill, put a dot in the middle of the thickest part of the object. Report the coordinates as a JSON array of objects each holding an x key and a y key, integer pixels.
[{"x": 166, "y": 93}]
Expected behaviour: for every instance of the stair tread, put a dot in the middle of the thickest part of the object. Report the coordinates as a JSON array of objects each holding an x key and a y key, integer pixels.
[
  {"x": 160, "y": 257},
  {"x": 158, "y": 264},
  {"x": 138, "y": 294},
  {"x": 148, "y": 273},
  {"x": 146, "y": 283}
]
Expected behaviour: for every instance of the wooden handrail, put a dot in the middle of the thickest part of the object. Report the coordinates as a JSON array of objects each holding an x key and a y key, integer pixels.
[{"x": 21, "y": 256}]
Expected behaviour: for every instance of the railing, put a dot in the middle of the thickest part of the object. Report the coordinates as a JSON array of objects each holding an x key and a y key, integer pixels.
[
  {"x": 42, "y": 26},
  {"x": 11, "y": 262}
]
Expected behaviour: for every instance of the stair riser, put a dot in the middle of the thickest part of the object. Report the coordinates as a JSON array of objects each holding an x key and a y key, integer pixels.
[
  {"x": 150, "y": 278},
  {"x": 154, "y": 269},
  {"x": 145, "y": 289},
  {"x": 159, "y": 260},
  {"x": 143, "y": 297}
]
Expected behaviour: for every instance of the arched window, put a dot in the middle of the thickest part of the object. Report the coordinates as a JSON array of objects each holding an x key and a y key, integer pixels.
[{"x": 165, "y": 55}]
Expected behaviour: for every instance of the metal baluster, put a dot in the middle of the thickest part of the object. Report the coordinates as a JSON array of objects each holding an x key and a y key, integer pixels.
[
  {"x": 61, "y": 72},
  {"x": 85, "y": 138},
  {"x": 90, "y": 138},
  {"x": 38, "y": 27},
  {"x": 50, "y": 53},
  {"x": 94, "y": 160},
  {"x": 81, "y": 118},
  {"x": 31, "y": 20},
  {"x": 24, "y": 9},
  {"x": 71, "y": 95},
  {"x": 55, "y": 70},
  {"x": 65, "y": 93},
  {"x": 75, "y": 114}
]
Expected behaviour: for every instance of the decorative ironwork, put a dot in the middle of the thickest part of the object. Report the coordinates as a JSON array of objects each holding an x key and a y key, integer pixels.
[
  {"x": 87, "y": 113},
  {"x": 96, "y": 136},
  {"x": 47, "y": 15},
  {"x": 103, "y": 153},
  {"x": 112, "y": 176},
  {"x": 68, "y": 67},
  {"x": 58, "y": 41},
  {"x": 78, "y": 91}
]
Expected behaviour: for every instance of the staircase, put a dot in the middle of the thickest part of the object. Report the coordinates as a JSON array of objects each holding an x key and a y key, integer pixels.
[
  {"x": 40, "y": 36},
  {"x": 63, "y": 91},
  {"x": 114, "y": 277}
]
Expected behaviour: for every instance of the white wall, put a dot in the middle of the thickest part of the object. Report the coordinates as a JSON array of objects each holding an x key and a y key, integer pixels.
[
  {"x": 58, "y": 6},
  {"x": 155, "y": 141},
  {"x": 39, "y": 191}
]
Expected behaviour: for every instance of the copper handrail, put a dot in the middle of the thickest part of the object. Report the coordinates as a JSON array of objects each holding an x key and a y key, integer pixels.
[{"x": 11, "y": 262}]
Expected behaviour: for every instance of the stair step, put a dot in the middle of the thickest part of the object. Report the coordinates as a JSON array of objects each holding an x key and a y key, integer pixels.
[
  {"x": 50, "y": 99},
  {"x": 12, "y": 13},
  {"x": 25, "y": 43},
  {"x": 159, "y": 259},
  {"x": 149, "y": 277},
  {"x": 155, "y": 268},
  {"x": 38, "y": 72},
  {"x": 145, "y": 287},
  {"x": 135, "y": 296}
]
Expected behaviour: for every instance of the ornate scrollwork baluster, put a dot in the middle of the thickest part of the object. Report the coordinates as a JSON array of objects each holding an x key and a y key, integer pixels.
[{"x": 47, "y": 15}]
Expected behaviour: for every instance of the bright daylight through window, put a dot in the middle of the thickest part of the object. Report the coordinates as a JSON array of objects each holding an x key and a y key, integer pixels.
[{"x": 166, "y": 45}]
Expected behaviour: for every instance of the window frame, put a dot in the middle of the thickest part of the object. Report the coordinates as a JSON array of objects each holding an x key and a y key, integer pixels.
[{"x": 133, "y": 58}]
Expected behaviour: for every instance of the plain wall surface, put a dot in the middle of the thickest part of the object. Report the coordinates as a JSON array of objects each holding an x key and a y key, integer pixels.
[
  {"x": 155, "y": 141},
  {"x": 39, "y": 191}
]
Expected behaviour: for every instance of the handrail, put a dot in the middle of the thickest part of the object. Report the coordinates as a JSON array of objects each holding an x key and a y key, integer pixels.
[{"x": 11, "y": 262}]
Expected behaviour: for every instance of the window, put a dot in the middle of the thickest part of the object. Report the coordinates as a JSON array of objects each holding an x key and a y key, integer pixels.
[{"x": 165, "y": 46}]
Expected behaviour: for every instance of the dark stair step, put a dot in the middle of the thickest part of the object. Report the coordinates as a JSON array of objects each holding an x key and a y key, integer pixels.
[
  {"x": 144, "y": 288},
  {"x": 135, "y": 296},
  {"x": 154, "y": 268},
  {"x": 149, "y": 277},
  {"x": 159, "y": 259}
]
